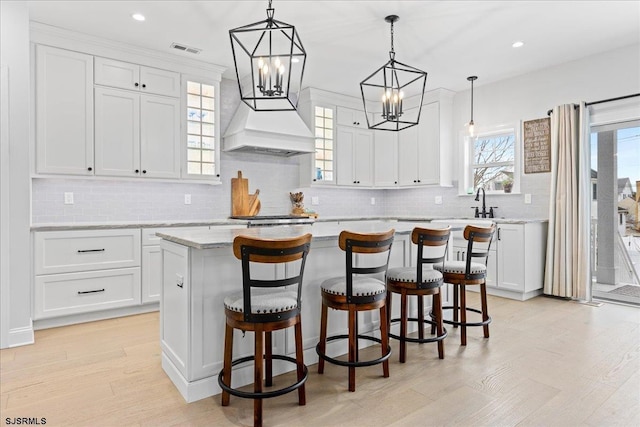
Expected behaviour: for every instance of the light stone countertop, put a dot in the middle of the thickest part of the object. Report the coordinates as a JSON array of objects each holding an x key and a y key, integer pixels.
[
  {"x": 129, "y": 224},
  {"x": 207, "y": 239},
  {"x": 243, "y": 223}
]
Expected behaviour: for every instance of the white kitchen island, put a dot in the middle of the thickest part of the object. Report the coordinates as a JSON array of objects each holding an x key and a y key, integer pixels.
[{"x": 199, "y": 270}]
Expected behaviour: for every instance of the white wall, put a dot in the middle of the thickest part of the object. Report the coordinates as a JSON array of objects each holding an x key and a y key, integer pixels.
[
  {"x": 530, "y": 96},
  {"x": 15, "y": 277}
]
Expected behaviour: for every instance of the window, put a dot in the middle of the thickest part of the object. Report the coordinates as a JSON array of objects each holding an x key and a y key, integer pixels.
[
  {"x": 492, "y": 164},
  {"x": 201, "y": 135},
  {"x": 323, "y": 125}
]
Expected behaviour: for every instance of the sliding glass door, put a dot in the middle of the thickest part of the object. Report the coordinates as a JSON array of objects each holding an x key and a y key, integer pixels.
[{"x": 615, "y": 229}]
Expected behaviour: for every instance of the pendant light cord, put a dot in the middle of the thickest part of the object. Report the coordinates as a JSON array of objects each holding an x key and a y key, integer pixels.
[
  {"x": 392, "y": 53},
  {"x": 471, "y": 101}
]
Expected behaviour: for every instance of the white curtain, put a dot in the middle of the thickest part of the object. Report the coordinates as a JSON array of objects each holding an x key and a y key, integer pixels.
[{"x": 568, "y": 272}]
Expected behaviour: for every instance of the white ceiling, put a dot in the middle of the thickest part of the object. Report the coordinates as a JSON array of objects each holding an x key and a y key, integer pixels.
[{"x": 347, "y": 40}]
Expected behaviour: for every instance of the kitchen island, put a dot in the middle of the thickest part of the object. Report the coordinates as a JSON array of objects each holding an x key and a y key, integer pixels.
[{"x": 199, "y": 270}]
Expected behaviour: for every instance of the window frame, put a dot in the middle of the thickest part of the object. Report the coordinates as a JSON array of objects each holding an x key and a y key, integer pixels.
[
  {"x": 334, "y": 135},
  {"x": 466, "y": 185},
  {"x": 215, "y": 178}
]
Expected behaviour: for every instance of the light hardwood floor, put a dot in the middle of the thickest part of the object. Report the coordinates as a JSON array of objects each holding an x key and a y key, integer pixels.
[{"x": 548, "y": 363}]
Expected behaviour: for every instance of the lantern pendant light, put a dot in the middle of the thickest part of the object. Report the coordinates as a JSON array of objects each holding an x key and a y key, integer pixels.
[
  {"x": 269, "y": 59},
  {"x": 393, "y": 94},
  {"x": 471, "y": 123}
]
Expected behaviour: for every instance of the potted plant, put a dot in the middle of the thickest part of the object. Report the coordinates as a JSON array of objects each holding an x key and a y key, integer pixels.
[{"x": 507, "y": 185}]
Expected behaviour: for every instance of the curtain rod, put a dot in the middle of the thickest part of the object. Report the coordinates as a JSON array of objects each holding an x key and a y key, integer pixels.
[{"x": 602, "y": 100}]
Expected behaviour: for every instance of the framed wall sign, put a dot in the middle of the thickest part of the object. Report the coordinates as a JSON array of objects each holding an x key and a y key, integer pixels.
[{"x": 536, "y": 139}]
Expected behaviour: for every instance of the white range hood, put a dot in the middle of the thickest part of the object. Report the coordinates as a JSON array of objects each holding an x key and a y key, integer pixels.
[{"x": 281, "y": 133}]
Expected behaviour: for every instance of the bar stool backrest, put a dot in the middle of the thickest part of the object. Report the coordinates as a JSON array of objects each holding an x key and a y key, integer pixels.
[
  {"x": 271, "y": 251},
  {"x": 432, "y": 238},
  {"x": 478, "y": 235},
  {"x": 364, "y": 243}
]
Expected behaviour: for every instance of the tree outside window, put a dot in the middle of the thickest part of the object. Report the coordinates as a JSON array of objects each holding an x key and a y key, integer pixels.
[{"x": 493, "y": 161}]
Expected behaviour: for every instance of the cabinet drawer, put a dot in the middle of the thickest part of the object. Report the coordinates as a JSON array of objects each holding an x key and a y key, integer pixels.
[
  {"x": 73, "y": 293},
  {"x": 84, "y": 250}
]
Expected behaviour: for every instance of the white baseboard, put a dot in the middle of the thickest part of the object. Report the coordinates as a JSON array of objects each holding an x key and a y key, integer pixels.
[{"x": 21, "y": 336}]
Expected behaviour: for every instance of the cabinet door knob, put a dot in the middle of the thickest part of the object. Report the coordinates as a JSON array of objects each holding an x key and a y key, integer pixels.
[
  {"x": 137, "y": 170},
  {"x": 218, "y": 175},
  {"x": 136, "y": 84},
  {"x": 419, "y": 181},
  {"x": 144, "y": 171},
  {"x": 144, "y": 85},
  {"x": 89, "y": 168},
  {"x": 395, "y": 182}
]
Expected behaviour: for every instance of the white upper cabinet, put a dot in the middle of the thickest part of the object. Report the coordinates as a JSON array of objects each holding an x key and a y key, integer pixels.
[
  {"x": 385, "y": 158},
  {"x": 117, "y": 115},
  {"x": 422, "y": 157},
  {"x": 159, "y": 137},
  {"x": 124, "y": 75},
  {"x": 354, "y": 152},
  {"x": 64, "y": 112},
  {"x": 351, "y": 117},
  {"x": 408, "y": 156},
  {"x": 137, "y": 135}
]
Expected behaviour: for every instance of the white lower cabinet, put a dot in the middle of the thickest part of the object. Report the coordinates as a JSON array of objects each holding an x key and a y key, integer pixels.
[
  {"x": 82, "y": 271},
  {"x": 515, "y": 267},
  {"x": 152, "y": 262},
  {"x": 75, "y": 293}
]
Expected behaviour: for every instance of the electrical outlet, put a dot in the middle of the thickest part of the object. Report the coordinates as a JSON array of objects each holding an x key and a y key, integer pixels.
[
  {"x": 527, "y": 199},
  {"x": 373, "y": 200},
  {"x": 68, "y": 198},
  {"x": 315, "y": 200},
  {"x": 187, "y": 199},
  {"x": 438, "y": 200}
]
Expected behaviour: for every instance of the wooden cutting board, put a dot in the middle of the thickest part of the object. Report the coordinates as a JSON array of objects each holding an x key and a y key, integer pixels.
[{"x": 243, "y": 203}]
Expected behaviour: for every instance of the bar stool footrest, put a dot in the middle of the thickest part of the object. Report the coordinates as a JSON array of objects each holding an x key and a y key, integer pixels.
[
  {"x": 264, "y": 394},
  {"x": 418, "y": 340},
  {"x": 453, "y": 322},
  {"x": 357, "y": 363}
]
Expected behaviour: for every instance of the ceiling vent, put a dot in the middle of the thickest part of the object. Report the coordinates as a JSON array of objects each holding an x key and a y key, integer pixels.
[{"x": 185, "y": 48}]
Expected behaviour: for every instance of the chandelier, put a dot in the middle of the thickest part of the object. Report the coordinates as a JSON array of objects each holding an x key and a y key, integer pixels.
[
  {"x": 393, "y": 94},
  {"x": 269, "y": 59}
]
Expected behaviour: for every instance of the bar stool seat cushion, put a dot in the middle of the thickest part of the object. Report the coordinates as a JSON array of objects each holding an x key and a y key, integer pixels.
[
  {"x": 408, "y": 275},
  {"x": 263, "y": 301},
  {"x": 460, "y": 267},
  {"x": 362, "y": 286}
]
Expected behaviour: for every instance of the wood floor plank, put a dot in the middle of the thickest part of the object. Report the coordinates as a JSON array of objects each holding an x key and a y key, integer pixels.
[{"x": 548, "y": 362}]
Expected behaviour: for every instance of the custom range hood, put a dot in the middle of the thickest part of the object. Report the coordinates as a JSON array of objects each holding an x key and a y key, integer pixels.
[{"x": 280, "y": 133}]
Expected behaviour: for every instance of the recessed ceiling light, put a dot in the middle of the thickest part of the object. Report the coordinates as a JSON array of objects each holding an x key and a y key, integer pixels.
[
  {"x": 517, "y": 44},
  {"x": 138, "y": 17}
]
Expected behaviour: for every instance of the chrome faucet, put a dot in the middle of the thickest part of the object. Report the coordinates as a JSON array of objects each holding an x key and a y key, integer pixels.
[{"x": 484, "y": 213}]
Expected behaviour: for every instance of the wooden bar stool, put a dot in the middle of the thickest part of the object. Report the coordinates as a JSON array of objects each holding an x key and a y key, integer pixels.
[
  {"x": 467, "y": 273},
  {"x": 355, "y": 292},
  {"x": 420, "y": 280},
  {"x": 263, "y": 306}
]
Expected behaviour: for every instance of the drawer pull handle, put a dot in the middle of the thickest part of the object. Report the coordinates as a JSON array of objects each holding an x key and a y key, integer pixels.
[
  {"x": 90, "y": 292},
  {"x": 81, "y": 251}
]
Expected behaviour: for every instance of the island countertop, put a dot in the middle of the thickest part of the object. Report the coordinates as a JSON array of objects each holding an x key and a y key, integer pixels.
[{"x": 206, "y": 239}]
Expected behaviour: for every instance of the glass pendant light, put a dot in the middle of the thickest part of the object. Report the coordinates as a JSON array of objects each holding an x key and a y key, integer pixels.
[{"x": 471, "y": 123}]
